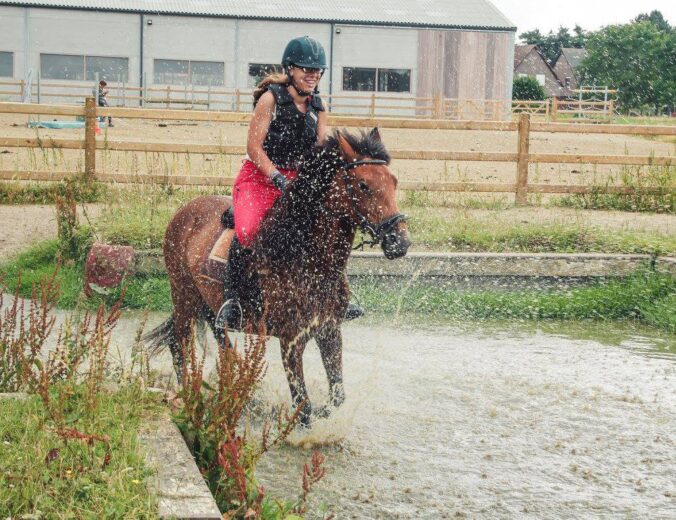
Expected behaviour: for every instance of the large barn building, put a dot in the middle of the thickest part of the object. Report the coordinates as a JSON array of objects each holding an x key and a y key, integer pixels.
[{"x": 459, "y": 49}]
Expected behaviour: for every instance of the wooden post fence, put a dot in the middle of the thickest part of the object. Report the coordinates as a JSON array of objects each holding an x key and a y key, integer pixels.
[
  {"x": 521, "y": 198},
  {"x": 90, "y": 139},
  {"x": 555, "y": 108}
]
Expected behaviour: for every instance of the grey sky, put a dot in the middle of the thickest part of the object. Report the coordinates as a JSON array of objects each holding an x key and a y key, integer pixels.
[{"x": 548, "y": 15}]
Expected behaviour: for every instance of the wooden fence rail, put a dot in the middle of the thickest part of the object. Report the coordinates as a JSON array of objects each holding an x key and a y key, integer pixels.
[
  {"x": 521, "y": 157},
  {"x": 373, "y": 104}
]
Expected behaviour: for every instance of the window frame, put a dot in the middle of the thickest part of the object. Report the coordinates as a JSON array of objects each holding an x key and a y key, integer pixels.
[
  {"x": 47, "y": 76},
  {"x": 188, "y": 73},
  {"x": 85, "y": 71},
  {"x": 375, "y": 79},
  {"x": 106, "y": 76},
  {"x": 11, "y": 64},
  {"x": 377, "y": 75},
  {"x": 388, "y": 69}
]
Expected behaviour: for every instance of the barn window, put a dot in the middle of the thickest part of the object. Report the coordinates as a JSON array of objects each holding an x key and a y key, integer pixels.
[
  {"x": 207, "y": 73},
  {"x": 257, "y": 71},
  {"x": 171, "y": 72},
  {"x": 186, "y": 72},
  {"x": 394, "y": 80},
  {"x": 361, "y": 79},
  {"x": 61, "y": 66},
  {"x": 6, "y": 64},
  {"x": 111, "y": 69}
]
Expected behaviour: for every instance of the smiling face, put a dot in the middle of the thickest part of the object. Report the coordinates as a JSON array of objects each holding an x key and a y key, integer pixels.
[{"x": 305, "y": 78}]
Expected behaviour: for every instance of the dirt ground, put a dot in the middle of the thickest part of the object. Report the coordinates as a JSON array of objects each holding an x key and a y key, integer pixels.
[
  {"x": 23, "y": 226},
  {"x": 395, "y": 139}
]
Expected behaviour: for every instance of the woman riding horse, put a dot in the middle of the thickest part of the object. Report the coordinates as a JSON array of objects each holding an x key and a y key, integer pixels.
[
  {"x": 298, "y": 254},
  {"x": 288, "y": 120}
]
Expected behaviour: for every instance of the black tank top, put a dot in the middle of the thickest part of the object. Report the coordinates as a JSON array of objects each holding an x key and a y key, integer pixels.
[{"x": 290, "y": 138}]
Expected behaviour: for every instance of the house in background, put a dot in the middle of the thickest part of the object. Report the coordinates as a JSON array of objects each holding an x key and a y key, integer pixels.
[
  {"x": 529, "y": 62},
  {"x": 566, "y": 66}
]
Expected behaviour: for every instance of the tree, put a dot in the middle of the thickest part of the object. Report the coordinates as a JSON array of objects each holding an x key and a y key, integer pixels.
[
  {"x": 550, "y": 45},
  {"x": 656, "y": 18},
  {"x": 527, "y": 88},
  {"x": 638, "y": 58}
]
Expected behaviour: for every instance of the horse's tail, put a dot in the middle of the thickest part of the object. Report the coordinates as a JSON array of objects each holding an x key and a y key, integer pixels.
[
  {"x": 164, "y": 335},
  {"x": 161, "y": 336}
]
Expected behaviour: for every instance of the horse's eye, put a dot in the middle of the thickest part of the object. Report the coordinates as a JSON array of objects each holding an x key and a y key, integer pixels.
[{"x": 364, "y": 187}]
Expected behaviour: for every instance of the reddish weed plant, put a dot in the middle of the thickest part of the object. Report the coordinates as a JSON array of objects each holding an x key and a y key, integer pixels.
[
  {"x": 211, "y": 420},
  {"x": 72, "y": 372}
]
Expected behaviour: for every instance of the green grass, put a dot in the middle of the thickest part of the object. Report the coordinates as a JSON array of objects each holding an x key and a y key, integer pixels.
[
  {"x": 46, "y": 193},
  {"x": 646, "y": 296},
  {"x": 140, "y": 220},
  {"x": 663, "y": 178},
  {"x": 74, "y": 484},
  {"x": 38, "y": 262},
  {"x": 439, "y": 229}
]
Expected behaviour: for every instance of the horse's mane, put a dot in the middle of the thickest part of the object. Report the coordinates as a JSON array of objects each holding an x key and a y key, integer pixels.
[{"x": 287, "y": 227}]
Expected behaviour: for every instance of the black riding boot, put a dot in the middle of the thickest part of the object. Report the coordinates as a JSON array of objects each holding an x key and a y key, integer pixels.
[{"x": 230, "y": 313}]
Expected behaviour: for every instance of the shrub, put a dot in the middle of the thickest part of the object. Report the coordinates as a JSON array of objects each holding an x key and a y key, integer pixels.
[{"x": 526, "y": 88}]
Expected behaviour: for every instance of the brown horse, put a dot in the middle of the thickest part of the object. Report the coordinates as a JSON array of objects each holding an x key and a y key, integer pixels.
[{"x": 300, "y": 256}]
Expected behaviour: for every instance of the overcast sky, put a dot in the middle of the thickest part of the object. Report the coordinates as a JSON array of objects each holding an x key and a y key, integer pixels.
[{"x": 548, "y": 15}]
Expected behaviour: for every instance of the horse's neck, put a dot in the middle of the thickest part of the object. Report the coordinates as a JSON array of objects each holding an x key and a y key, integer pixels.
[{"x": 337, "y": 244}]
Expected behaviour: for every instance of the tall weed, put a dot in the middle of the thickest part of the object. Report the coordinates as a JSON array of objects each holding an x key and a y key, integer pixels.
[{"x": 211, "y": 419}]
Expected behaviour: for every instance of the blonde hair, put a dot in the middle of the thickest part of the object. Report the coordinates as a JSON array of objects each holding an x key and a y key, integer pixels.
[{"x": 274, "y": 78}]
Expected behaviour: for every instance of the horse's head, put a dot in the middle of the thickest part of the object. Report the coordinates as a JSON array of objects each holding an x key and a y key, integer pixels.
[{"x": 370, "y": 189}]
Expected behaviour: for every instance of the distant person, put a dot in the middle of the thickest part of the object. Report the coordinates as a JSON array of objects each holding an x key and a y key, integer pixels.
[{"x": 103, "y": 98}]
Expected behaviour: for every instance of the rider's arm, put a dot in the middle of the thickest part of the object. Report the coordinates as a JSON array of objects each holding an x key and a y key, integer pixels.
[
  {"x": 258, "y": 131},
  {"x": 322, "y": 125}
]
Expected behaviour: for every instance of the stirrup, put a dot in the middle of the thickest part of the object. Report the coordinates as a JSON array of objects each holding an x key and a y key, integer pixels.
[
  {"x": 228, "y": 315},
  {"x": 353, "y": 312}
]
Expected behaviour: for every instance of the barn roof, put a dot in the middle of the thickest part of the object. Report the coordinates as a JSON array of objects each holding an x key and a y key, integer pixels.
[{"x": 456, "y": 14}]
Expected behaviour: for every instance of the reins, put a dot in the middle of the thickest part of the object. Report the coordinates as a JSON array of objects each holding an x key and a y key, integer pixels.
[{"x": 378, "y": 231}]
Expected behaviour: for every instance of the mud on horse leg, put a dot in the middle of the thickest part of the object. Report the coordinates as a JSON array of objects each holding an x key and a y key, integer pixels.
[
  {"x": 292, "y": 359},
  {"x": 330, "y": 342}
]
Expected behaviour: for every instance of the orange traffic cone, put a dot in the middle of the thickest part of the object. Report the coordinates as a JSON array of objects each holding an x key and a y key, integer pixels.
[{"x": 97, "y": 128}]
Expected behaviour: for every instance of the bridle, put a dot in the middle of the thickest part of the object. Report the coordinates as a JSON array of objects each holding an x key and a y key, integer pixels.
[{"x": 384, "y": 228}]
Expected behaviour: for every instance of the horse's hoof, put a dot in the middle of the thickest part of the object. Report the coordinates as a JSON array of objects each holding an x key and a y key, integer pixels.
[{"x": 323, "y": 411}]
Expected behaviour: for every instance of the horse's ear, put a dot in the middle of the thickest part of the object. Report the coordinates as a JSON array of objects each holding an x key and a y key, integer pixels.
[
  {"x": 348, "y": 152},
  {"x": 375, "y": 134}
]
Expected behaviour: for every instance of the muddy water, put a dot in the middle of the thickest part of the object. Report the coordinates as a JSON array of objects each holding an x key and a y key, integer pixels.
[
  {"x": 500, "y": 423},
  {"x": 489, "y": 421}
]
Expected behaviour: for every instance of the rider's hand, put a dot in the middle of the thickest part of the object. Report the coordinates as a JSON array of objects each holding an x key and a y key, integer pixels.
[{"x": 279, "y": 180}]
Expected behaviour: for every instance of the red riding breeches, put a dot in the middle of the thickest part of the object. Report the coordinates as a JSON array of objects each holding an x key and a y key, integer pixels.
[{"x": 252, "y": 197}]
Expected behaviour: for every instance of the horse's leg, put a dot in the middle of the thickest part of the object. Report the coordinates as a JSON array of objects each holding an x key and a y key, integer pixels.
[
  {"x": 186, "y": 302},
  {"x": 330, "y": 342},
  {"x": 292, "y": 359}
]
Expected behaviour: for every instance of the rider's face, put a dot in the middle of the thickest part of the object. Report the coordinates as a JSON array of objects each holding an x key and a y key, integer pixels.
[{"x": 306, "y": 78}]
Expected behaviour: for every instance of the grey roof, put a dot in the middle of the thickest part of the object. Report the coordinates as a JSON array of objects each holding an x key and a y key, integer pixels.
[
  {"x": 465, "y": 14},
  {"x": 574, "y": 56}
]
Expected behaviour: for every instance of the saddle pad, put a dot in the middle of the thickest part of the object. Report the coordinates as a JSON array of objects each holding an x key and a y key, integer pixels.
[{"x": 215, "y": 264}]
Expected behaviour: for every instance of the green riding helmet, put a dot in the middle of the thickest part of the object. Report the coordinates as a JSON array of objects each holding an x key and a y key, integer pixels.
[{"x": 304, "y": 52}]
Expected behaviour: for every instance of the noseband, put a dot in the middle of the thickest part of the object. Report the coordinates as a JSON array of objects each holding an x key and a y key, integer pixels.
[{"x": 379, "y": 231}]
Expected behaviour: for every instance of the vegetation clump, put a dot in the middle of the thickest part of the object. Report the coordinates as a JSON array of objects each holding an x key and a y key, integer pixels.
[{"x": 71, "y": 446}]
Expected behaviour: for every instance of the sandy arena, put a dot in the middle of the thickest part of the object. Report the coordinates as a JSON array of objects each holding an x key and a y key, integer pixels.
[{"x": 395, "y": 139}]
